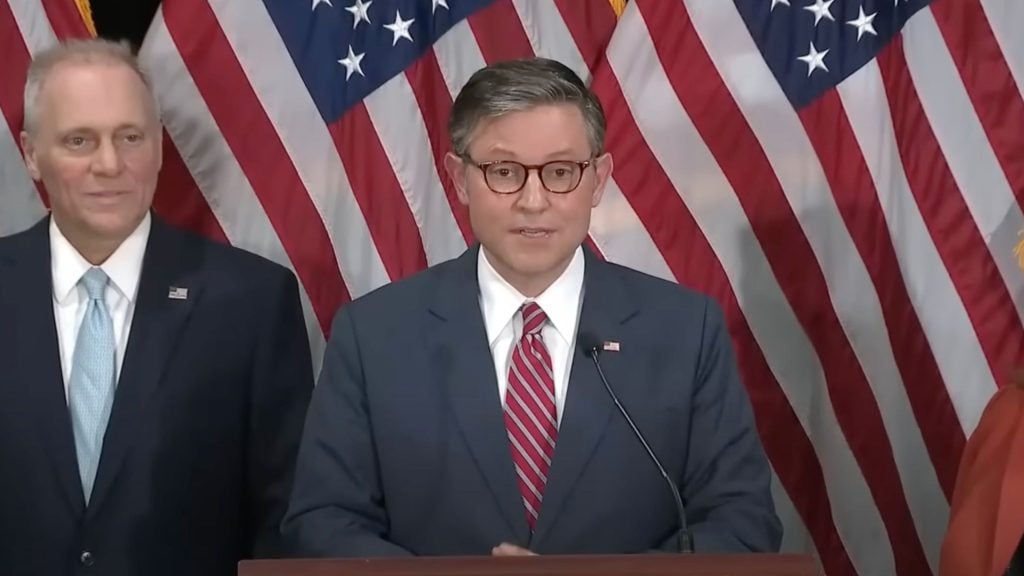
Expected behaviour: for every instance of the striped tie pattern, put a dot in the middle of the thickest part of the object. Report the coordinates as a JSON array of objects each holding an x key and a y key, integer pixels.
[{"x": 530, "y": 416}]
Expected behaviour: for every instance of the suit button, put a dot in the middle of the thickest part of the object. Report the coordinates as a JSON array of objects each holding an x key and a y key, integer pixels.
[{"x": 86, "y": 559}]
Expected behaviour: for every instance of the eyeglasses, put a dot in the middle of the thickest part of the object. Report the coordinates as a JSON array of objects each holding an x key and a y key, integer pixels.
[{"x": 509, "y": 177}]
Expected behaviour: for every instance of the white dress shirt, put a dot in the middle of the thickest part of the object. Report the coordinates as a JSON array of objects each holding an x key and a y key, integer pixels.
[
  {"x": 70, "y": 300},
  {"x": 499, "y": 302}
]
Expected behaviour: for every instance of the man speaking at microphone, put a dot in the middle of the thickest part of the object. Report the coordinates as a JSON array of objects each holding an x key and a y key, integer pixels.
[{"x": 460, "y": 411}]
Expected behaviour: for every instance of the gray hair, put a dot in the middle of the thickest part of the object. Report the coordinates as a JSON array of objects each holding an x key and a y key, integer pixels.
[
  {"x": 517, "y": 85},
  {"x": 78, "y": 51}
]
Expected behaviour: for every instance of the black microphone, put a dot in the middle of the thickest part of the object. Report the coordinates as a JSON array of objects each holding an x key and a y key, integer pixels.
[{"x": 592, "y": 346}]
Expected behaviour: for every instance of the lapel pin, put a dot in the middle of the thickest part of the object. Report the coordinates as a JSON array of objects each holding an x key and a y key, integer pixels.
[
  {"x": 611, "y": 346},
  {"x": 176, "y": 293}
]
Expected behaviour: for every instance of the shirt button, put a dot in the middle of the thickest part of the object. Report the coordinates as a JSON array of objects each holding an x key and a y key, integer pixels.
[{"x": 86, "y": 559}]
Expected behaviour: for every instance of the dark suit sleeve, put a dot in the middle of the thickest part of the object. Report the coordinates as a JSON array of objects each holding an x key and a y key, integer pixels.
[
  {"x": 727, "y": 479},
  {"x": 337, "y": 507},
  {"x": 282, "y": 382},
  {"x": 1017, "y": 562}
]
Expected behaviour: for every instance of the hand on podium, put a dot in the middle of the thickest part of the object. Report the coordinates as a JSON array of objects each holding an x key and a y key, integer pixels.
[{"x": 506, "y": 549}]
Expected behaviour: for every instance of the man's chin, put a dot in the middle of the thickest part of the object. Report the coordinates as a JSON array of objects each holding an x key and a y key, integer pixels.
[{"x": 113, "y": 228}]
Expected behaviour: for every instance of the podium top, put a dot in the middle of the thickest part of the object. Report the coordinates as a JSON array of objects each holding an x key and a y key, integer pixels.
[{"x": 633, "y": 565}]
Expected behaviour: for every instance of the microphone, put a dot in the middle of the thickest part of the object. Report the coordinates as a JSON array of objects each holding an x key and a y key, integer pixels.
[{"x": 592, "y": 346}]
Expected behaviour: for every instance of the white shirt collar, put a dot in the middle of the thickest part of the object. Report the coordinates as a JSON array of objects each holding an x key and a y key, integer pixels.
[
  {"x": 500, "y": 300},
  {"x": 123, "y": 267}
]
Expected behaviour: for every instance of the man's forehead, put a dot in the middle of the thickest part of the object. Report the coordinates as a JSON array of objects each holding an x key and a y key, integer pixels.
[
  {"x": 80, "y": 89},
  {"x": 499, "y": 133},
  {"x": 80, "y": 70}
]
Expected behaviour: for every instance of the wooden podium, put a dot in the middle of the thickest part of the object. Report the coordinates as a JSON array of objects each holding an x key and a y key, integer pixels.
[{"x": 632, "y": 565}]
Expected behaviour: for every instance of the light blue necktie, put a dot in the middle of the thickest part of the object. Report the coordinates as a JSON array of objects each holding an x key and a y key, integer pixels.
[{"x": 91, "y": 391}]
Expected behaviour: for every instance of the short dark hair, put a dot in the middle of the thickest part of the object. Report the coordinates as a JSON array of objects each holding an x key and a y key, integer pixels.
[{"x": 517, "y": 85}]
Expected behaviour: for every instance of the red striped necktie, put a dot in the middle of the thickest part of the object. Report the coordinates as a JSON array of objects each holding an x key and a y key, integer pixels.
[{"x": 530, "y": 410}]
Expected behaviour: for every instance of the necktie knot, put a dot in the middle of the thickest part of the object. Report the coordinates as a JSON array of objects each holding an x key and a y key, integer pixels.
[
  {"x": 95, "y": 282},
  {"x": 533, "y": 318}
]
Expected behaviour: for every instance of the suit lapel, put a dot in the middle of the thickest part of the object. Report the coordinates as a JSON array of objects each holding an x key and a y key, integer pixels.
[
  {"x": 30, "y": 303},
  {"x": 464, "y": 363},
  {"x": 156, "y": 325},
  {"x": 606, "y": 306}
]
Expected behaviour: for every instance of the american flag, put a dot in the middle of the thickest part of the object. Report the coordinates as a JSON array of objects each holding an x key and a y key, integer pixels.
[
  {"x": 844, "y": 176},
  {"x": 26, "y": 26}
]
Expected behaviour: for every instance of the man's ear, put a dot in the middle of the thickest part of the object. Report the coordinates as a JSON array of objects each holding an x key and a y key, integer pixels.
[
  {"x": 159, "y": 147},
  {"x": 456, "y": 169},
  {"x": 603, "y": 168},
  {"x": 28, "y": 146}
]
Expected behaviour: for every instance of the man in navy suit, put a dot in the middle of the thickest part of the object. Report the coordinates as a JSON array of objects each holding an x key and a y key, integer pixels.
[
  {"x": 456, "y": 414},
  {"x": 153, "y": 384}
]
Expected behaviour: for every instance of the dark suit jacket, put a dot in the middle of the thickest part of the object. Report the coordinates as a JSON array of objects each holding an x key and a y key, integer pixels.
[
  {"x": 405, "y": 449},
  {"x": 199, "y": 450},
  {"x": 1017, "y": 563}
]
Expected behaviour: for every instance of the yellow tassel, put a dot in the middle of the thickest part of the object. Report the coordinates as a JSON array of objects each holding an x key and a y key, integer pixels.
[
  {"x": 618, "y": 6},
  {"x": 85, "y": 10},
  {"x": 1018, "y": 251}
]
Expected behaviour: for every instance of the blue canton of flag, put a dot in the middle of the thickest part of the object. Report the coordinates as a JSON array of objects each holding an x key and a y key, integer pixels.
[
  {"x": 346, "y": 49},
  {"x": 813, "y": 45}
]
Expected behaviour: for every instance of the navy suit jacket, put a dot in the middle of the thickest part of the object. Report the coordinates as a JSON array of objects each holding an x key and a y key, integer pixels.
[
  {"x": 1017, "y": 562},
  {"x": 405, "y": 450},
  {"x": 199, "y": 451}
]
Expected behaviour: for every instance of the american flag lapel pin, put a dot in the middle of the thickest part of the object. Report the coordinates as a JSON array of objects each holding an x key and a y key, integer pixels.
[
  {"x": 611, "y": 346},
  {"x": 176, "y": 293}
]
